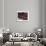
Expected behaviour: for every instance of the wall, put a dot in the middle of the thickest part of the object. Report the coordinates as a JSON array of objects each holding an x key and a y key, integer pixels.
[
  {"x": 44, "y": 18},
  {"x": 1, "y": 15},
  {"x": 35, "y": 15}
]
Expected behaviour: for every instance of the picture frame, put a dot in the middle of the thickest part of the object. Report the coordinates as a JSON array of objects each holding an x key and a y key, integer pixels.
[{"x": 22, "y": 15}]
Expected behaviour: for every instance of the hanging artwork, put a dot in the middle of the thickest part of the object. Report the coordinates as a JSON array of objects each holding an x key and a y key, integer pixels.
[{"x": 22, "y": 15}]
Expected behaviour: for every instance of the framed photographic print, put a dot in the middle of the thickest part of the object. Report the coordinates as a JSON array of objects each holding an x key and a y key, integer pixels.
[{"x": 22, "y": 15}]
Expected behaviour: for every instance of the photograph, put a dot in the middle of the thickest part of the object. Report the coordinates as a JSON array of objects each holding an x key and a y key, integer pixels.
[{"x": 22, "y": 15}]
